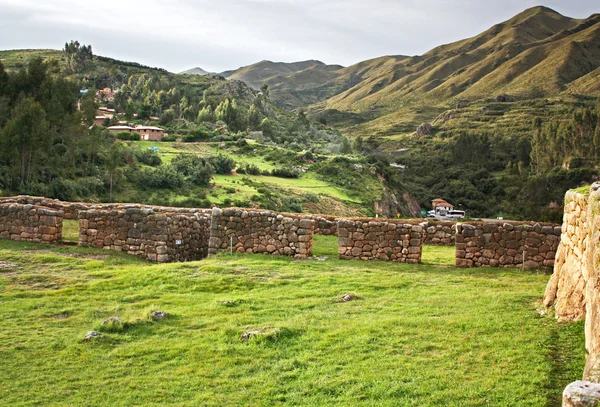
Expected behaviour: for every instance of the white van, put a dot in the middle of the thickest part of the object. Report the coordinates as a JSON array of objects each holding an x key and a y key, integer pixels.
[{"x": 455, "y": 214}]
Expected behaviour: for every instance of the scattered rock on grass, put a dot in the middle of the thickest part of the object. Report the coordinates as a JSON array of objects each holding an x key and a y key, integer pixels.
[
  {"x": 252, "y": 333},
  {"x": 112, "y": 320},
  {"x": 92, "y": 335},
  {"x": 581, "y": 394},
  {"x": 159, "y": 315},
  {"x": 347, "y": 297}
]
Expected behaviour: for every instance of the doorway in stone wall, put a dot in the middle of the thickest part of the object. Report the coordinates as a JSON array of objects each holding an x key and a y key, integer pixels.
[
  {"x": 325, "y": 246},
  {"x": 438, "y": 255}
]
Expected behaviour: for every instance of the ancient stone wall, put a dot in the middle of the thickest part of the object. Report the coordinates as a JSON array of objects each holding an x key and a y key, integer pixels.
[
  {"x": 380, "y": 240},
  {"x": 249, "y": 231},
  {"x": 440, "y": 233},
  {"x": 324, "y": 225},
  {"x": 159, "y": 236},
  {"x": 574, "y": 288},
  {"x": 70, "y": 209},
  {"x": 30, "y": 223},
  {"x": 506, "y": 244},
  {"x": 566, "y": 288}
]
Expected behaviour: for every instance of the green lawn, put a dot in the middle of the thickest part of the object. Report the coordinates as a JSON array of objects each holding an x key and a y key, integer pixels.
[
  {"x": 70, "y": 231},
  {"x": 415, "y": 335},
  {"x": 439, "y": 255}
]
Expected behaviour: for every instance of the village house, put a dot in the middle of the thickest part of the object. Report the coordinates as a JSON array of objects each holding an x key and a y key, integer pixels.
[
  {"x": 105, "y": 95},
  {"x": 149, "y": 133},
  {"x": 441, "y": 206}
]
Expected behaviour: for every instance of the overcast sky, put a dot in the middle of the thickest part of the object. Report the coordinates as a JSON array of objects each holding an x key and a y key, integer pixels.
[{"x": 227, "y": 34}]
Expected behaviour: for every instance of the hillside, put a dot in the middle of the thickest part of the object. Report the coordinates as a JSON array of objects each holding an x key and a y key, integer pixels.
[
  {"x": 538, "y": 53},
  {"x": 225, "y": 143},
  {"x": 293, "y": 84}
]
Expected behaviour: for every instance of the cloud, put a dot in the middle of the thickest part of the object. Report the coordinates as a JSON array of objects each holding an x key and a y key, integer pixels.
[{"x": 223, "y": 35}]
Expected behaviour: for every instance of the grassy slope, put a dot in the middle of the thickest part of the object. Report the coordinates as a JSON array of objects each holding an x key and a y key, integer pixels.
[{"x": 417, "y": 335}]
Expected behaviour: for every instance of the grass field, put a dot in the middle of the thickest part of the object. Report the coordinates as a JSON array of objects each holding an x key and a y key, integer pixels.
[{"x": 414, "y": 336}]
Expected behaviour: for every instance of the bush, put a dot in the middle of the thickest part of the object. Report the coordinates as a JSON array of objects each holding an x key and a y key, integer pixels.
[
  {"x": 127, "y": 136},
  {"x": 249, "y": 169},
  {"x": 222, "y": 164},
  {"x": 286, "y": 172},
  {"x": 163, "y": 177},
  {"x": 148, "y": 157},
  {"x": 200, "y": 134},
  {"x": 197, "y": 169}
]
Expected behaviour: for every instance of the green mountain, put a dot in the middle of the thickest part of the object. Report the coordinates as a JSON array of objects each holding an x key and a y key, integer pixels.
[{"x": 537, "y": 53}]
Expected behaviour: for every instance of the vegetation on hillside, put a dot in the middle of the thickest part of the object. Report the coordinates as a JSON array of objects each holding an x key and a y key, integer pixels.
[{"x": 51, "y": 148}]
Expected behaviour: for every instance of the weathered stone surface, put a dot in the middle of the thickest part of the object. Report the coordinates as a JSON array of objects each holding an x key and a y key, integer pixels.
[
  {"x": 92, "y": 335},
  {"x": 255, "y": 231},
  {"x": 581, "y": 394},
  {"x": 153, "y": 233},
  {"x": 159, "y": 315},
  {"x": 386, "y": 240},
  {"x": 504, "y": 244},
  {"x": 26, "y": 222}
]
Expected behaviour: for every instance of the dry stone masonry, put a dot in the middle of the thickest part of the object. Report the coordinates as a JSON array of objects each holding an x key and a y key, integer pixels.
[
  {"x": 324, "y": 225},
  {"x": 574, "y": 288},
  {"x": 567, "y": 286},
  {"x": 380, "y": 240},
  {"x": 30, "y": 223},
  {"x": 440, "y": 233},
  {"x": 70, "y": 209},
  {"x": 241, "y": 230},
  {"x": 506, "y": 244},
  {"x": 152, "y": 234}
]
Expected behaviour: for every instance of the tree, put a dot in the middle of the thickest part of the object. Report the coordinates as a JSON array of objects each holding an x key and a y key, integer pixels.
[
  {"x": 266, "y": 127},
  {"x": 346, "y": 147},
  {"x": 265, "y": 90},
  {"x": 205, "y": 115},
  {"x": 89, "y": 108},
  {"x": 358, "y": 144},
  {"x": 114, "y": 158},
  {"x": 24, "y": 139}
]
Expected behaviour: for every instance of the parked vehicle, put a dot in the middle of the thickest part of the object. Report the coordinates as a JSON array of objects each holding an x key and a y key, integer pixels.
[
  {"x": 431, "y": 214},
  {"x": 455, "y": 214}
]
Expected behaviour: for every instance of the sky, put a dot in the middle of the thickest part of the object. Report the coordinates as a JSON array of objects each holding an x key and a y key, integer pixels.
[{"x": 226, "y": 34}]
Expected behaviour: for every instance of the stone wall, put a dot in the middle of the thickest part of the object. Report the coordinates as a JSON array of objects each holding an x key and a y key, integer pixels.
[
  {"x": 324, "y": 225},
  {"x": 503, "y": 244},
  {"x": 574, "y": 288},
  {"x": 70, "y": 209},
  {"x": 30, "y": 223},
  {"x": 440, "y": 233},
  {"x": 155, "y": 235},
  {"x": 380, "y": 240},
  {"x": 566, "y": 288},
  {"x": 249, "y": 231}
]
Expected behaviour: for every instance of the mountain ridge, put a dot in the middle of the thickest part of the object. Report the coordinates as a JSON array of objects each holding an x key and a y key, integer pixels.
[{"x": 537, "y": 53}]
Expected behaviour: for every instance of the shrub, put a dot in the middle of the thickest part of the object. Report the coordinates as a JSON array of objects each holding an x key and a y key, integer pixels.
[
  {"x": 286, "y": 172},
  {"x": 249, "y": 169},
  {"x": 222, "y": 164},
  {"x": 148, "y": 157},
  {"x": 127, "y": 136},
  {"x": 163, "y": 177}
]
